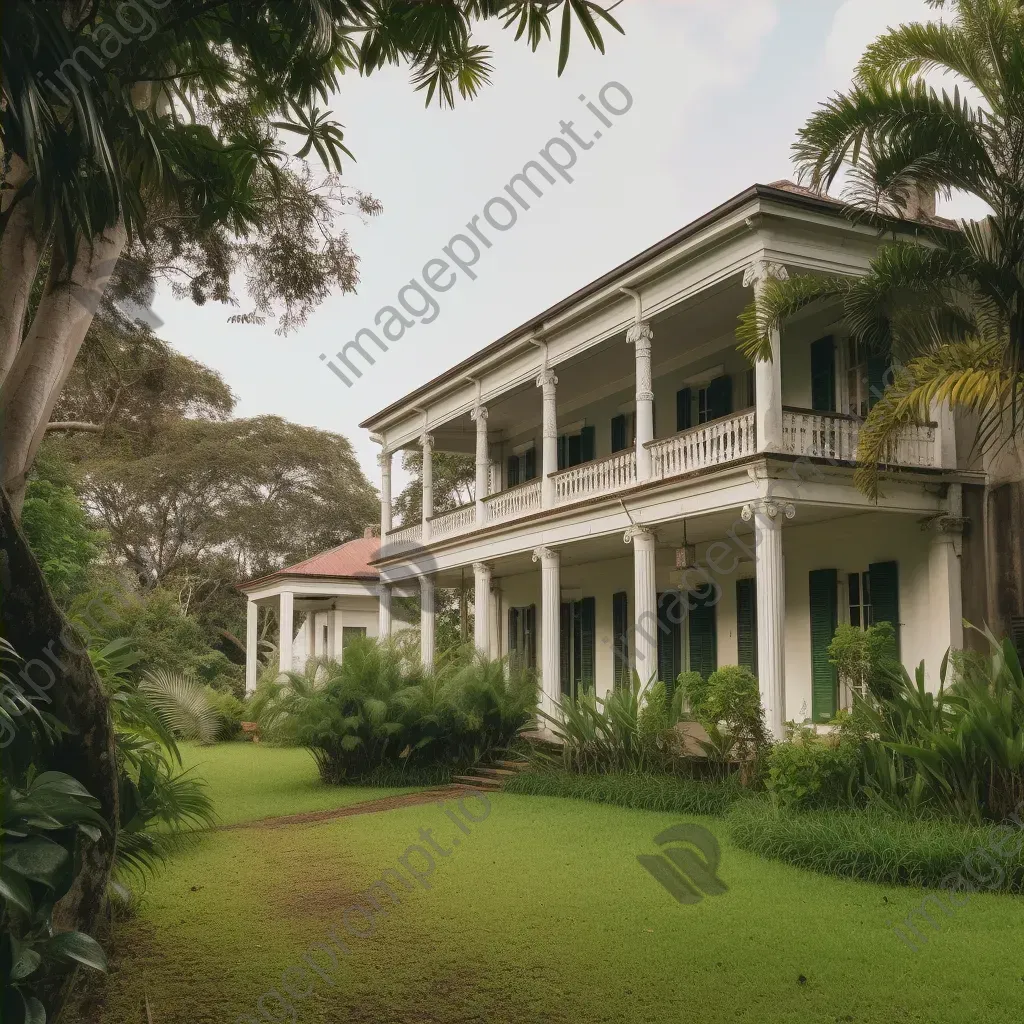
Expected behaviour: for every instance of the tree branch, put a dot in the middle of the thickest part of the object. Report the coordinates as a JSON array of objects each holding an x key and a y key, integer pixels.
[{"x": 75, "y": 426}]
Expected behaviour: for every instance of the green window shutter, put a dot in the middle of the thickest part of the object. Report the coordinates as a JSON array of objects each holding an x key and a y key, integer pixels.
[
  {"x": 588, "y": 444},
  {"x": 884, "y": 581},
  {"x": 528, "y": 468},
  {"x": 684, "y": 409},
  {"x": 562, "y": 453},
  {"x": 703, "y": 636},
  {"x": 719, "y": 397},
  {"x": 565, "y": 639},
  {"x": 823, "y": 375},
  {"x": 746, "y": 623},
  {"x": 671, "y": 613},
  {"x": 824, "y": 605},
  {"x": 513, "y": 471},
  {"x": 620, "y": 638},
  {"x": 513, "y": 644},
  {"x": 878, "y": 371},
  {"x": 588, "y": 643},
  {"x": 531, "y": 636},
  {"x": 573, "y": 450},
  {"x": 618, "y": 433}
]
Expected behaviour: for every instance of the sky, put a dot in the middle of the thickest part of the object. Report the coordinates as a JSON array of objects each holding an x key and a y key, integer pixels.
[{"x": 719, "y": 89}]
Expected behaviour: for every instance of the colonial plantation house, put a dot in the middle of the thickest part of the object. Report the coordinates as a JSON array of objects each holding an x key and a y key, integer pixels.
[{"x": 645, "y": 499}]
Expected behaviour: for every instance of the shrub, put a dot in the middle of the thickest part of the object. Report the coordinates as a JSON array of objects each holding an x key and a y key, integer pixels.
[
  {"x": 229, "y": 710},
  {"x": 866, "y": 659},
  {"x": 690, "y": 691},
  {"x": 731, "y": 695},
  {"x": 646, "y": 792},
  {"x": 873, "y": 846},
  {"x": 812, "y": 771}
]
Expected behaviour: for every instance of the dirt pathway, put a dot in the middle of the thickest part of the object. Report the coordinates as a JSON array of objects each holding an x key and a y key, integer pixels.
[{"x": 387, "y": 803}]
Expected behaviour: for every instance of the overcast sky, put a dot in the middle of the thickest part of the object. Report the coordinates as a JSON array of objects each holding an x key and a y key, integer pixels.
[{"x": 719, "y": 88}]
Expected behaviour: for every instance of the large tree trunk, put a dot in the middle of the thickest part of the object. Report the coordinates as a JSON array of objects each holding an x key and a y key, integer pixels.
[
  {"x": 33, "y": 385},
  {"x": 20, "y": 251},
  {"x": 57, "y": 663}
]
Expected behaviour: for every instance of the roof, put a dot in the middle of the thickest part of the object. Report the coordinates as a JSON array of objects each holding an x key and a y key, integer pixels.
[
  {"x": 784, "y": 191},
  {"x": 349, "y": 561}
]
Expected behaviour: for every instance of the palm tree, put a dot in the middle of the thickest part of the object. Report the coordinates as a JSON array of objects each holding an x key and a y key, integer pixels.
[{"x": 948, "y": 307}]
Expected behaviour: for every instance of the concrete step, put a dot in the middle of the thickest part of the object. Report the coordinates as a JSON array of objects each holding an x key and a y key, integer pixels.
[
  {"x": 515, "y": 766},
  {"x": 476, "y": 782},
  {"x": 495, "y": 773}
]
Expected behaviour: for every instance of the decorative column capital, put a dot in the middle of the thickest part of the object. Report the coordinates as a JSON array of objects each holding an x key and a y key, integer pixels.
[
  {"x": 636, "y": 530},
  {"x": 546, "y": 378},
  {"x": 481, "y": 568},
  {"x": 384, "y": 460},
  {"x": 640, "y": 334},
  {"x": 948, "y": 525},
  {"x": 427, "y": 442},
  {"x": 545, "y": 555},
  {"x": 769, "y": 508},
  {"x": 478, "y": 413},
  {"x": 760, "y": 271}
]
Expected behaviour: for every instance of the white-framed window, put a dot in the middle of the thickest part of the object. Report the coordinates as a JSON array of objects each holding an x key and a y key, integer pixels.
[
  {"x": 858, "y": 588},
  {"x": 702, "y": 405}
]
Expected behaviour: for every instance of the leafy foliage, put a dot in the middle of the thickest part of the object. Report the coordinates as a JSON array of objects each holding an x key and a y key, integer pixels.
[
  {"x": 731, "y": 698},
  {"x": 813, "y": 771},
  {"x": 865, "y": 658},
  {"x": 183, "y": 704}
]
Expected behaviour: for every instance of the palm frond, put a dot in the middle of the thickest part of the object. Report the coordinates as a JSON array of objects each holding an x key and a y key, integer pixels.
[{"x": 183, "y": 705}]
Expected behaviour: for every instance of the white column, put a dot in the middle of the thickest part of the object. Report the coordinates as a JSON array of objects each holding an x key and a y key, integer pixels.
[
  {"x": 427, "y": 477},
  {"x": 337, "y": 633},
  {"x": 944, "y": 580},
  {"x": 384, "y": 611},
  {"x": 944, "y": 456},
  {"x": 427, "y": 622},
  {"x": 550, "y": 610},
  {"x": 384, "y": 461},
  {"x": 548, "y": 382},
  {"x": 310, "y": 637},
  {"x": 252, "y": 639},
  {"x": 482, "y": 608},
  {"x": 287, "y": 630},
  {"x": 483, "y": 462},
  {"x": 767, "y": 373},
  {"x": 645, "y": 603},
  {"x": 640, "y": 336},
  {"x": 770, "y": 569}
]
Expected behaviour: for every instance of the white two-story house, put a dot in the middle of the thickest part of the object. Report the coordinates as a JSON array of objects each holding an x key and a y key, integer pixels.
[{"x": 645, "y": 499}]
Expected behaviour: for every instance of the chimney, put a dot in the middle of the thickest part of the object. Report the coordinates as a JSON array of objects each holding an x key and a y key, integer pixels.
[{"x": 920, "y": 204}]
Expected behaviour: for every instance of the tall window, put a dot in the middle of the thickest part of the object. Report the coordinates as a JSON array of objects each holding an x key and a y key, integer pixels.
[
  {"x": 323, "y": 650},
  {"x": 860, "y": 600},
  {"x": 522, "y": 636},
  {"x": 576, "y": 448},
  {"x": 522, "y": 466},
  {"x": 867, "y": 374},
  {"x": 349, "y": 633}
]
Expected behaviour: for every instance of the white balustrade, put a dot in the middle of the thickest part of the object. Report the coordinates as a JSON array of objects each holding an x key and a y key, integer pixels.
[
  {"x": 832, "y": 436},
  {"x": 710, "y": 444},
  {"x": 513, "y": 503},
  {"x": 601, "y": 476},
  {"x": 458, "y": 520},
  {"x": 398, "y": 540}
]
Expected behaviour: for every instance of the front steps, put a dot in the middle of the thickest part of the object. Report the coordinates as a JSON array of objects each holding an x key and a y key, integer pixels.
[{"x": 490, "y": 779}]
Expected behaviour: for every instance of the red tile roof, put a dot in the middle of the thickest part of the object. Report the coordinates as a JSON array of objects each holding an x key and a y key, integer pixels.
[{"x": 348, "y": 561}]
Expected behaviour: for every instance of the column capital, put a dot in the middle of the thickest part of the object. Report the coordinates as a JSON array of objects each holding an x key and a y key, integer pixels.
[
  {"x": 947, "y": 525},
  {"x": 770, "y": 508},
  {"x": 640, "y": 334},
  {"x": 478, "y": 413},
  {"x": 384, "y": 459},
  {"x": 760, "y": 271},
  {"x": 636, "y": 530},
  {"x": 481, "y": 567},
  {"x": 426, "y": 441},
  {"x": 546, "y": 378},
  {"x": 545, "y": 555}
]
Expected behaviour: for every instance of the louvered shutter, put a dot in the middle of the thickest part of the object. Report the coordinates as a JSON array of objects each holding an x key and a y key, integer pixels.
[
  {"x": 823, "y": 375},
  {"x": 670, "y": 616},
  {"x": 588, "y": 643},
  {"x": 531, "y": 636},
  {"x": 684, "y": 409},
  {"x": 562, "y": 452},
  {"x": 824, "y": 606},
  {"x": 703, "y": 636},
  {"x": 746, "y": 623},
  {"x": 529, "y": 466},
  {"x": 620, "y": 638},
  {"x": 513, "y": 470},
  {"x": 878, "y": 371},
  {"x": 565, "y": 639},
  {"x": 719, "y": 397},
  {"x": 884, "y": 580},
  {"x": 619, "y": 442},
  {"x": 513, "y": 641},
  {"x": 588, "y": 444}
]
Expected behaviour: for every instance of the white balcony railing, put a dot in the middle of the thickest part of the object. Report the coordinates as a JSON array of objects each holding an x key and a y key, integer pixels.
[
  {"x": 834, "y": 436},
  {"x": 513, "y": 503},
  {"x": 456, "y": 521},
  {"x": 710, "y": 444},
  {"x": 601, "y": 476},
  {"x": 406, "y": 537}
]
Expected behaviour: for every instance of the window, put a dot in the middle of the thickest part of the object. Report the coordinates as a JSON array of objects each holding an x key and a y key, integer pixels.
[
  {"x": 746, "y": 623},
  {"x": 522, "y": 636},
  {"x": 323, "y": 650},
  {"x": 867, "y": 374},
  {"x": 522, "y": 466},
  {"x": 623, "y": 432},
  {"x": 621, "y": 670},
  {"x": 576, "y": 448},
  {"x": 860, "y": 599},
  {"x": 702, "y": 405},
  {"x": 823, "y": 375},
  {"x": 577, "y": 646},
  {"x": 349, "y": 633}
]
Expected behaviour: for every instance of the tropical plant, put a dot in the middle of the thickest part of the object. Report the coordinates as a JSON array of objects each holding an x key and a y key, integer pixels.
[
  {"x": 731, "y": 699},
  {"x": 813, "y": 771},
  {"x": 183, "y": 703},
  {"x": 958, "y": 751},
  {"x": 948, "y": 304},
  {"x": 44, "y": 816},
  {"x": 866, "y": 659}
]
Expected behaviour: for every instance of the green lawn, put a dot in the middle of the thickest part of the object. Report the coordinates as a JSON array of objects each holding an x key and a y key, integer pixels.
[
  {"x": 252, "y": 780},
  {"x": 540, "y": 914}
]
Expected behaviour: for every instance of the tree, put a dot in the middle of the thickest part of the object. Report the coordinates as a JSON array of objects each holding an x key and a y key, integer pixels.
[
  {"x": 164, "y": 138},
  {"x": 454, "y": 478},
  {"x": 949, "y": 305}
]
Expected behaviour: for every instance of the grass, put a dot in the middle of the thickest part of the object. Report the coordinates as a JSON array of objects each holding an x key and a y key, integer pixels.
[
  {"x": 540, "y": 914},
  {"x": 248, "y": 781},
  {"x": 644, "y": 792}
]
